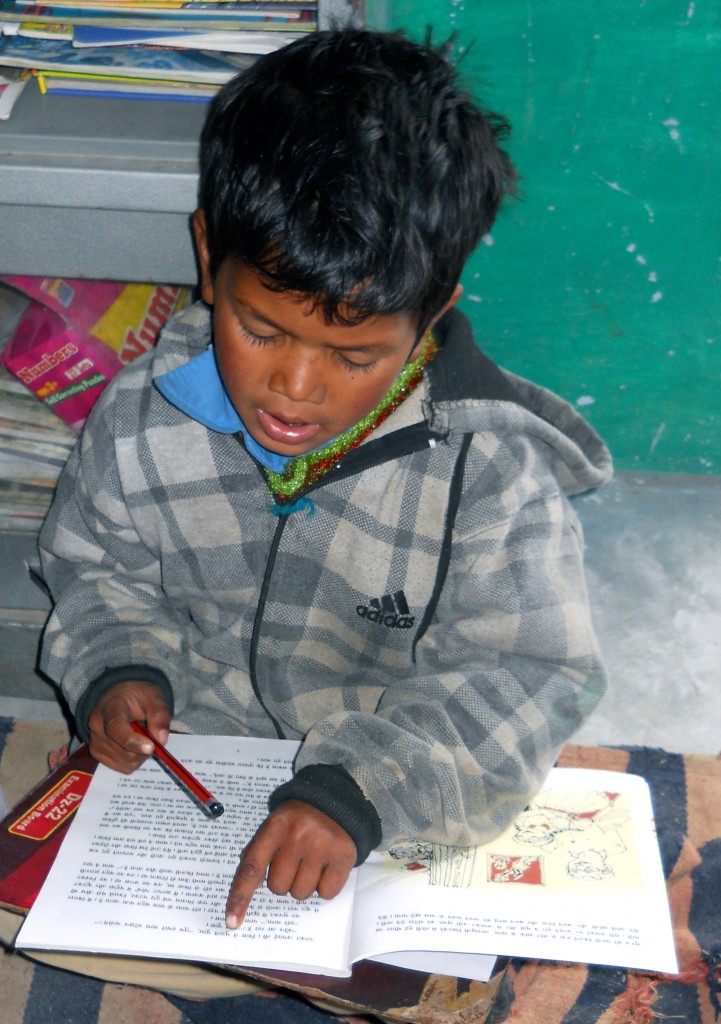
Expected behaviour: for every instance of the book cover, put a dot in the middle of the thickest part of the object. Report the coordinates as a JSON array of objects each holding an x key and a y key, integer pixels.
[
  {"x": 31, "y": 835},
  {"x": 143, "y": 62}
]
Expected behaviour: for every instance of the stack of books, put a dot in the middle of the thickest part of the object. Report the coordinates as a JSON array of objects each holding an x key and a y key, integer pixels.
[{"x": 146, "y": 49}]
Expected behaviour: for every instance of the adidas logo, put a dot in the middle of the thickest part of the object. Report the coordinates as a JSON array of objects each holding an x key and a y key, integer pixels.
[{"x": 391, "y": 611}]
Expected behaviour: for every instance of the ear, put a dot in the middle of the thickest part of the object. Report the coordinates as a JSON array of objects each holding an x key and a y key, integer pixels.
[
  {"x": 457, "y": 292},
  {"x": 207, "y": 288}
]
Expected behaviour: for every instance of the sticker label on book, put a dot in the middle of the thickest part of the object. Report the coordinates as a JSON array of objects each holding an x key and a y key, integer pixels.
[{"x": 52, "y": 809}]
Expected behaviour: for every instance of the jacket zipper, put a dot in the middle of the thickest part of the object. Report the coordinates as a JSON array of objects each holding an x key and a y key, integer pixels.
[
  {"x": 257, "y": 622},
  {"x": 375, "y": 453}
]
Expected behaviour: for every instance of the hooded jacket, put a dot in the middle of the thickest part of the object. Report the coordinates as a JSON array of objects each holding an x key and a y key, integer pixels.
[{"x": 422, "y": 626}]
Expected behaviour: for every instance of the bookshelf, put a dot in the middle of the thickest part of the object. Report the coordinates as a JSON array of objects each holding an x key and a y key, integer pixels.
[{"x": 104, "y": 188}]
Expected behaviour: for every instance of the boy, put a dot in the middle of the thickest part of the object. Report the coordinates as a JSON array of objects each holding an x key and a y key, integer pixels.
[{"x": 320, "y": 512}]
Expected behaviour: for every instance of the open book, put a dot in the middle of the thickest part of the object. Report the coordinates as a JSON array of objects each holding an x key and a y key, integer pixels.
[{"x": 142, "y": 872}]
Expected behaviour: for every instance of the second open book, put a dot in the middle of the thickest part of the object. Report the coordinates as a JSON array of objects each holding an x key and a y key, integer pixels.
[{"x": 142, "y": 872}]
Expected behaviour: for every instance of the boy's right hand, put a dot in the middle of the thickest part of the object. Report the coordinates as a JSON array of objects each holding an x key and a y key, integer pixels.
[{"x": 112, "y": 740}]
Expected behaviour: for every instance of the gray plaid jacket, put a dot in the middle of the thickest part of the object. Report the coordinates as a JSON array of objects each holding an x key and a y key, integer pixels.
[{"x": 425, "y": 630}]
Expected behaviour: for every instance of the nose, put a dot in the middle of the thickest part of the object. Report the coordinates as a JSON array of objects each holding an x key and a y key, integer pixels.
[{"x": 297, "y": 375}]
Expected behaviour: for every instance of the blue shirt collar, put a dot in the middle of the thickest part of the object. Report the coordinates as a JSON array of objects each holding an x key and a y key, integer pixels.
[{"x": 196, "y": 388}]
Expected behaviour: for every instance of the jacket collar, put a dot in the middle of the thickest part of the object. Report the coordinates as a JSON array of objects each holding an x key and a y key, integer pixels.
[
  {"x": 196, "y": 388},
  {"x": 461, "y": 371}
]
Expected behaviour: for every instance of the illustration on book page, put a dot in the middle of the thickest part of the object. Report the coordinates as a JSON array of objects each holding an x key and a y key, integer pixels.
[{"x": 563, "y": 840}]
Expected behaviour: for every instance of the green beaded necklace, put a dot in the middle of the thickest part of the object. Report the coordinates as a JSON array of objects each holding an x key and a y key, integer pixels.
[{"x": 305, "y": 470}]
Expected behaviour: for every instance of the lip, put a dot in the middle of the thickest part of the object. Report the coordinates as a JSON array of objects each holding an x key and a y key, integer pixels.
[{"x": 284, "y": 432}]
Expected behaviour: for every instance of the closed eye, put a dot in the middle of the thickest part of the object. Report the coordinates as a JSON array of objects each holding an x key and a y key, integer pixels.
[
  {"x": 257, "y": 339},
  {"x": 352, "y": 367},
  {"x": 270, "y": 339}
]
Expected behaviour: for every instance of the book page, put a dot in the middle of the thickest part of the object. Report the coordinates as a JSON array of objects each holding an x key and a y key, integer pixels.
[
  {"x": 577, "y": 877},
  {"x": 474, "y": 966},
  {"x": 143, "y": 872}
]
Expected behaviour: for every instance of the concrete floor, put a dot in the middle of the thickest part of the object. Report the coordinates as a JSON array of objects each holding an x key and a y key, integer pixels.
[{"x": 654, "y": 575}]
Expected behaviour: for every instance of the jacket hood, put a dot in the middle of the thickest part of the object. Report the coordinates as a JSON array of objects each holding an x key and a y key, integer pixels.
[{"x": 468, "y": 392}]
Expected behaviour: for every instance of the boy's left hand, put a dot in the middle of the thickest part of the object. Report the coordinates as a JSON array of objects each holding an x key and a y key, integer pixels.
[{"x": 301, "y": 850}]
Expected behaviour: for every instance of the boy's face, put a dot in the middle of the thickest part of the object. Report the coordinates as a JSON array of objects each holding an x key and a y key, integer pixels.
[{"x": 295, "y": 380}]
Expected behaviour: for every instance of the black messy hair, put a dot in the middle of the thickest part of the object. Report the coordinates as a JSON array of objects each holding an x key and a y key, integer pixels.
[{"x": 353, "y": 167}]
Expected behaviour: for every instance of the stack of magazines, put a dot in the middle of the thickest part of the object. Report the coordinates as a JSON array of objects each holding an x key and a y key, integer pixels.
[
  {"x": 34, "y": 447},
  {"x": 149, "y": 49},
  {"x": 34, "y": 442}
]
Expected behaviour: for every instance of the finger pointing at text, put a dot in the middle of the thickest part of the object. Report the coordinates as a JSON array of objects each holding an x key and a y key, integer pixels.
[{"x": 300, "y": 850}]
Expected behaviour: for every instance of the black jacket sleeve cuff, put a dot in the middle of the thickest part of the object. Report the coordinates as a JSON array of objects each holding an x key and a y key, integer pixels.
[
  {"x": 330, "y": 789},
  {"x": 108, "y": 678}
]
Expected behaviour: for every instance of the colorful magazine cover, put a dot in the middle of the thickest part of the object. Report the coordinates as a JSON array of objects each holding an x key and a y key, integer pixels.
[
  {"x": 133, "y": 62},
  {"x": 75, "y": 335}
]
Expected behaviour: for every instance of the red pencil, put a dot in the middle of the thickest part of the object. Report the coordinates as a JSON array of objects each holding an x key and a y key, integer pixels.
[{"x": 180, "y": 774}]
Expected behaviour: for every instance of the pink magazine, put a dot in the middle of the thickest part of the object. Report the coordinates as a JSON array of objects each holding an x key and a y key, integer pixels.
[{"x": 77, "y": 334}]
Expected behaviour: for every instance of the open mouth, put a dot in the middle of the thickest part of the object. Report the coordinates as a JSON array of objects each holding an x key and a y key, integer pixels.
[{"x": 286, "y": 431}]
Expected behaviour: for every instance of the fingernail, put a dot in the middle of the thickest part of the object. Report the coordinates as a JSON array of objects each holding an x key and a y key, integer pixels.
[{"x": 231, "y": 921}]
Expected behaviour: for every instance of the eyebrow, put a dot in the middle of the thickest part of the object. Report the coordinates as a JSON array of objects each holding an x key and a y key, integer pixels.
[{"x": 262, "y": 317}]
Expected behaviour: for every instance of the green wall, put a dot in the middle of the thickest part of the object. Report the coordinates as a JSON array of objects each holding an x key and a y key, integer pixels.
[{"x": 603, "y": 280}]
